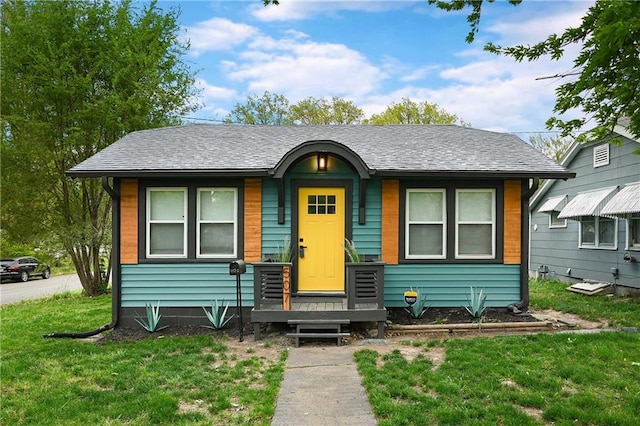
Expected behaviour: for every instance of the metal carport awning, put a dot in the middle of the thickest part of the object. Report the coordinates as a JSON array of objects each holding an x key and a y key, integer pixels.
[
  {"x": 553, "y": 204},
  {"x": 625, "y": 202},
  {"x": 589, "y": 203}
]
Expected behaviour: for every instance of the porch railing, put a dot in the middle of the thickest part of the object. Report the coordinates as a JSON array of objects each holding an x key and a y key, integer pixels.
[{"x": 365, "y": 284}]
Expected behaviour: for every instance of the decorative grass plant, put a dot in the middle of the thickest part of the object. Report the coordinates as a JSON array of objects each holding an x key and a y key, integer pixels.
[
  {"x": 218, "y": 315},
  {"x": 352, "y": 251},
  {"x": 476, "y": 303},
  {"x": 153, "y": 318},
  {"x": 419, "y": 308}
]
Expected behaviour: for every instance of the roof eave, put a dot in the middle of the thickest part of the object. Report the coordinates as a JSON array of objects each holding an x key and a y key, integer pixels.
[
  {"x": 266, "y": 172},
  {"x": 165, "y": 173},
  {"x": 476, "y": 173}
]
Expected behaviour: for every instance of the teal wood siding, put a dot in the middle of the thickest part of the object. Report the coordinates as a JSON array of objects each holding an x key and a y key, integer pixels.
[
  {"x": 367, "y": 237},
  {"x": 273, "y": 233},
  {"x": 183, "y": 285},
  {"x": 193, "y": 285},
  {"x": 448, "y": 285}
]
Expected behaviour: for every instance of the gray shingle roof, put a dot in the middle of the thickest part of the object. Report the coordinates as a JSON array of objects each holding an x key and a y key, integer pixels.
[{"x": 403, "y": 149}]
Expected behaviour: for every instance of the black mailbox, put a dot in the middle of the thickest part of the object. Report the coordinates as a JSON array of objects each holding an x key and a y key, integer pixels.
[{"x": 237, "y": 267}]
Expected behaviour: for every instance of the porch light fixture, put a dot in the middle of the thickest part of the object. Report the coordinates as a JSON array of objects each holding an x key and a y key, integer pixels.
[{"x": 322, "y": 162}]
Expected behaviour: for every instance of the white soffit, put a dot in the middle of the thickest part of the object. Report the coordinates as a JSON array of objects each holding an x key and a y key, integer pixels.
[
  {"x": 588, "y": 203},
  {"x": 624, "y": 202},
  {"x": 553, "y": 204}
]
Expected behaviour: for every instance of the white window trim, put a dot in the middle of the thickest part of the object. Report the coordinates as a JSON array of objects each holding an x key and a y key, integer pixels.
[
  {"x": 597, "y": 245},
  {"x": 492, "y": 222},
  {"x": 551, "y": 225},
  {"x": 184, "y": 222},
  {"x": 443, "y": 222},
  {"x": 628, "y": 245},
  {"x": 233, "y": 255}
]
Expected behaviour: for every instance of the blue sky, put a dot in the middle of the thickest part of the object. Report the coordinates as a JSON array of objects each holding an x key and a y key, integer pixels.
[{"x": 377, "y": 52}]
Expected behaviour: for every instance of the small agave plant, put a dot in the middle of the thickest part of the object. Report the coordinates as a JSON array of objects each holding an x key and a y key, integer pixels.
[
  {"x": 153, "y": 318},
  {"x": 418, "y": 309},
  {"x": 476, "y": 303},
  {"x": 218, "y": 316}
]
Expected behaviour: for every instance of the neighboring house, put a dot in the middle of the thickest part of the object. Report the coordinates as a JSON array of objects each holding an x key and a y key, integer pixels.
[
  {"x": 441, "y": 207},
  {"x": 588, "y": 228}
]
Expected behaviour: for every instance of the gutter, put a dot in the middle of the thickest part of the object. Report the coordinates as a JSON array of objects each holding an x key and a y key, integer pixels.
[
  {"x": 115, "y": 268},
  {"x": 527, "y": 192}
]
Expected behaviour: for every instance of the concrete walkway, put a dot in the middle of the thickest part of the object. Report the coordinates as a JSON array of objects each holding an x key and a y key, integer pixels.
[{"x": 322, "y": 386}]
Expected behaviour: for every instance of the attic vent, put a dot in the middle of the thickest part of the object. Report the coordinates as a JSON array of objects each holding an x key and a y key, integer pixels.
[{"x": 601, "y": 155}]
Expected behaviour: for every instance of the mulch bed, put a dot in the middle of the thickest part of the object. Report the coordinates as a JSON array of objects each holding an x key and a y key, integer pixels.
[
  {"x": 395, "y": 316},
  {"x": 460, "y": 315}
]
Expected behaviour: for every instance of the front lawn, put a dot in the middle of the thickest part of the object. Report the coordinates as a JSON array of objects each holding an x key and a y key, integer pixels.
[
  {"x": 178, "y": 380},
  {"x": 209, "y": 379},
  {"x": 543, "y": 378}
]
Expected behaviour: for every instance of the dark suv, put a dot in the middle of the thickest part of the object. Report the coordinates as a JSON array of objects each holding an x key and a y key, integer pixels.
[{"x": 22, "y": 268}]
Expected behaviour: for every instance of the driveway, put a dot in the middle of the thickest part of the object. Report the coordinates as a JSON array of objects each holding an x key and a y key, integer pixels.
[{"x": 35, "y": 288}]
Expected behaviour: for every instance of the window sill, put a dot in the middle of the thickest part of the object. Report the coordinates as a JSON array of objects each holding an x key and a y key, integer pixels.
[{"x": 598, "y": 248}]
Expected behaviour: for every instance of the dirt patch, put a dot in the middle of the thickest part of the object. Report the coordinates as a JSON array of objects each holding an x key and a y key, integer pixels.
[{"x": 562, "y": 319}]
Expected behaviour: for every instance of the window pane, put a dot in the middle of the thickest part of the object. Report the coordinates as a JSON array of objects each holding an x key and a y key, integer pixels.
[
  {"x": 166, "y": 205},
  {"x": 475, "y": 206},
  {"x": 475, "y": 240},
  {"x": 634, "y": 232},
  {"x": 425, "y": 206},
  {"x": 425, "y": 240},
  {"x": 166, "y": 238},
  {"x": 217, "y": 205},
  {"x": 607, "y": 231},
  {"x": 216, "y": 238},
  {"x": 588, "y": 228},
  {"x": 555, "y": 221}
]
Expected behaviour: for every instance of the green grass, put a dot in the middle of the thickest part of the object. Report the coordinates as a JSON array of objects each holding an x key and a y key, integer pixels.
[
  {"x": 520, "y": 380},
  {"x": 617, "y": 311},
  {"x": 173, "y": 380},
  {"x": 536, "y": 379},
  {"x": 544, "y": 378}
]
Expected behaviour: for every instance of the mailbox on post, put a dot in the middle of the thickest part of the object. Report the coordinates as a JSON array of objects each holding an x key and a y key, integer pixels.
[{"x": 237, "y": 267}]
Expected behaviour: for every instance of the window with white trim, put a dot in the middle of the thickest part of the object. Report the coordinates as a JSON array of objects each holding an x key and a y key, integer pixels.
[
  {"x": 633, "y": 231},
  {"x": 425, "y": 224},
  {"x": 475, "y": 224},
  {"x": 598, "y": 232},
  {"x": 555, "y": 222},
  {"x": 166, "y": 222},
  {"x": 217, "y": 222}
]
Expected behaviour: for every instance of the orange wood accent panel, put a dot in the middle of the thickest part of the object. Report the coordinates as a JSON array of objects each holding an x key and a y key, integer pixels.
[
  {"x": 129, "y": 221},
  {"x": 252, "y": 220},
  {"x": 512, "y": 222},
  {"x": 390, "y": 221},
  {"x": 286, "y": 288}
]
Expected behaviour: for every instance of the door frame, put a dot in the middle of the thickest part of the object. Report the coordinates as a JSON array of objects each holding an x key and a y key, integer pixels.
[{"x": 296, "y": 184}]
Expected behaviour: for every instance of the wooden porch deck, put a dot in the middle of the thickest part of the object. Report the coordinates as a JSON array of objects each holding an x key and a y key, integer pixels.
[{"x": 362, "y": 302}]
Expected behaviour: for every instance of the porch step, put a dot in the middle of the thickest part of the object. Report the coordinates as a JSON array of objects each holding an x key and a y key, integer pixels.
[{"x": 324, "y": 329}]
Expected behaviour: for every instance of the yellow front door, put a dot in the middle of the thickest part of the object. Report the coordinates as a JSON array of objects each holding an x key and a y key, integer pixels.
[{"x": 320, "y": 239}]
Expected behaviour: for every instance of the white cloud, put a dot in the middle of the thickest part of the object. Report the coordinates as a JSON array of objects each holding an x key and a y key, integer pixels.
[
  {"x": 521, "y": 28},
  {"x": 298, "y": 69},
  {"x": 295, "y": 10},
  {"x": 218, "y": 34}
]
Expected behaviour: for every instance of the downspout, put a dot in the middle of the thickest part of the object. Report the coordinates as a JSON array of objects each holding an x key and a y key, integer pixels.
[
  {"x": 527, "y": 192},
  {"x": 115, "y": 268}
]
